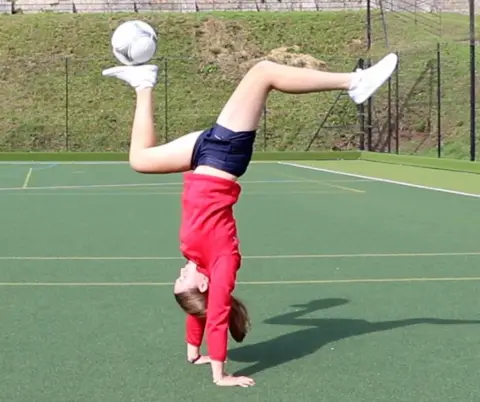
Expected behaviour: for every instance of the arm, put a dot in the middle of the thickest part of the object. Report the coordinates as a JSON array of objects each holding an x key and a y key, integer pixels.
[
  {"x": 222, "y": 283},
  {"x": 195, "y": 328}
]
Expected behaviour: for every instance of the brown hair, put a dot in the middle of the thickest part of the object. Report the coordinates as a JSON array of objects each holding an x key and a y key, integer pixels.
[{"x": 194, "y": 302}]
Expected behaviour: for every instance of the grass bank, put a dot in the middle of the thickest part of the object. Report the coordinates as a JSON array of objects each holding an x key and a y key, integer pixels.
[{"x": 54, "y": 97}]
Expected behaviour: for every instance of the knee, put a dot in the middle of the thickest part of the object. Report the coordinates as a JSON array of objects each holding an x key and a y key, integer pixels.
[
  {"x": 260, "y": 72},
  {"x": 261, "y": 67},
  {"x": 139, "y": 164},
  {"x": 136, "y": 165}
]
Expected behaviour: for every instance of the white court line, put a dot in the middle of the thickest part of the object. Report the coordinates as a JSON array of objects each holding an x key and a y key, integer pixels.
[
  {"x": 400, "y": 183},
  {"x": 248, "y": 257},
  {"x": 305, "y": 282}
]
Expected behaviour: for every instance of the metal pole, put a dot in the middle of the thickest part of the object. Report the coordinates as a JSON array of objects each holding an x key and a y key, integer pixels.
[
  {"x": 439, "y": 104},
  {"x": 369, "y": 102},
  {"x": 397, "y": 107},
  {"x": 165, "y": 82},
  {"x": 369, "y": 25},
  {"x": 66, "y": 105},
  {"x": 361, "y": 114},
  {"x": 384, "y": 24},
  {"x": 389, "y": 110},
  {"x": 471, "y": 6},
  {"x": 369, "y": 117},
  {"x": 265, "y": 127}
]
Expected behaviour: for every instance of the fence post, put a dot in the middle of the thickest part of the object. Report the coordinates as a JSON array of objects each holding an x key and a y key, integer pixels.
[
  {"x": 389, "y": 118},
  {"x": 361, "y": 113},
  {"x": 165, "y": 65},
  {"x": 369, "y": 117},
  {"x": 439, "y": 103},
  {"x": 471, "y": 7},
  {"x": 397, "y": 106},
  {"x": 66, "y": 104},
  {"x": 265, "y": 127}
]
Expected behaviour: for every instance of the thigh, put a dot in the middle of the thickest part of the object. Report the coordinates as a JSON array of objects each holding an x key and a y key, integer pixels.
[
  {"x": 244, "y": 109},
  {"x": 173, "y": 157}
]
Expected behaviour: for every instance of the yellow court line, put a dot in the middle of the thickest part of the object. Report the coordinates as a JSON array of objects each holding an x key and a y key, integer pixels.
[
  {"x": 27, "y": 178},
  {"x": 298, "y": 179},
  {"x": 354, "y": 190},
  {"x": 143, "y": 193},
  {"x": 305, "y": 282},
  {"x": 249, "y": 257},
  {"x": 135, "y": 185}
]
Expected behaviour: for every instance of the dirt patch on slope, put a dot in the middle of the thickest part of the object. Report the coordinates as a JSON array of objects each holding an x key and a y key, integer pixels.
[{"x": 225, "y": 46}]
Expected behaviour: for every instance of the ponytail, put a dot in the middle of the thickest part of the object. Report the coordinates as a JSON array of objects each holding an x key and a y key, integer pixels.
[
  {"x": 194, "y": 303},
  {"x": 239, "y": 323}
]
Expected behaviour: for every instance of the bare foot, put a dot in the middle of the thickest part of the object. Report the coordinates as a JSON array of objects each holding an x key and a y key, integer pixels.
[
  {"x": 200, "y": 359},
  {"x": 231, "y": 381}
]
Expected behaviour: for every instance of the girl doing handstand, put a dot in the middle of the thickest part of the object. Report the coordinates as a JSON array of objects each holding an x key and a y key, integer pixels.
[{"x": 214, "y": 160}]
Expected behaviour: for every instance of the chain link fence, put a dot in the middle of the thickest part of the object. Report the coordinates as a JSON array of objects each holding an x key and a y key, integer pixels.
[
  {"x": 65, "y": 104},
  {"x": 432, "y": 86},
  {"x": 416, "y": 7},
  {"x": 58, "y": 104}
]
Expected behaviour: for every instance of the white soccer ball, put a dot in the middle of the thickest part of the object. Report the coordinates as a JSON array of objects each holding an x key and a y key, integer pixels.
[{"x": 134, "y": 42}]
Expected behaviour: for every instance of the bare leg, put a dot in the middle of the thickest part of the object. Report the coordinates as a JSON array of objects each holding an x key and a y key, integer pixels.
[
  {"x": 144, "y": 156},
  {"x": 243, "y": 110}
]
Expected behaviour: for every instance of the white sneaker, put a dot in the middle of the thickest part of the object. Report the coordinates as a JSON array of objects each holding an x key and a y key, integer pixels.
[
  {"x": 366, "y": 82},
  {"x": 144, "y": 76}
]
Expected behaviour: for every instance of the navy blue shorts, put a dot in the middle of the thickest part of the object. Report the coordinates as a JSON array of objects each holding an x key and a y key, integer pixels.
[{"x": 223, "y": 149}]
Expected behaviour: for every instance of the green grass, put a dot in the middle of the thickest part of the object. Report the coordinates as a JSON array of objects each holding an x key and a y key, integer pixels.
[
  {"x": 425, "y": 162},
  {"x": 54, "y": 97},
  {"x": 123, "y": 156},
  {"x": 454, "y": 179}
]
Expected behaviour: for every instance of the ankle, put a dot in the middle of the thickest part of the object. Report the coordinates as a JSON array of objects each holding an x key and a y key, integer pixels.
[
  {"x": 352, "y": 81},
  {"x": 144, "y": 90},
  {"x": 192, "y": 351}
]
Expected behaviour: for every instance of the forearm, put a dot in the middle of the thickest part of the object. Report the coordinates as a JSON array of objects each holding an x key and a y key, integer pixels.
[
  {"x": 222, "y": 284},
  {"x": 217, "y": 341}
]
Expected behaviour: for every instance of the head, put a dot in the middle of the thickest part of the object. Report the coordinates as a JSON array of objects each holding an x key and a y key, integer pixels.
[{"x": 191, "y": 292}]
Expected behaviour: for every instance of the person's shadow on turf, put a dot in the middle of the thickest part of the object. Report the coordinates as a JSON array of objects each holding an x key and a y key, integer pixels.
[{"x": 320, "y": 331}]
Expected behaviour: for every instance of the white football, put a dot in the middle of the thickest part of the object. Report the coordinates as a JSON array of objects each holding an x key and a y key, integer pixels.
[{"x": 134, "y": 42}]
